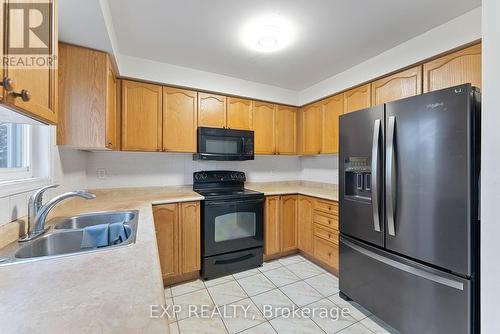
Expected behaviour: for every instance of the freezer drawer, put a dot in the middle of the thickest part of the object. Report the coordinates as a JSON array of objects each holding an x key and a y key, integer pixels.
[{"x": 410, "y": 297}]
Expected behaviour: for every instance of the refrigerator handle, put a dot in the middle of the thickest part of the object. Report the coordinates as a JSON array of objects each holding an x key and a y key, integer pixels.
[
  {"x": 375, "y": 178},
  {"x": 390, "y": 176}
]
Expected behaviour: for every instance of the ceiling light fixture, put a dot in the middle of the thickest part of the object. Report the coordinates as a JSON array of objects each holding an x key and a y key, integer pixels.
[{"x": 267, "y": 34}]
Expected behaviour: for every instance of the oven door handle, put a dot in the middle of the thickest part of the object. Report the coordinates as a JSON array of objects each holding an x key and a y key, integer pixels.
[{"x": 253, "y": 201}]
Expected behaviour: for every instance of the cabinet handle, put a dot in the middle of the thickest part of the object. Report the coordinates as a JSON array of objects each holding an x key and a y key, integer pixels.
[
  {"x": 24, "y": 95},
  {"x": 110, "y": 144},
  {"x": 7, "y": 83},
  {"x": 329, "y": 236}
]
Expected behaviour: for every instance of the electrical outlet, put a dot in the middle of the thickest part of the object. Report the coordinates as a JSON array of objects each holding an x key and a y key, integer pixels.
[{"x": 101, "y": 173}]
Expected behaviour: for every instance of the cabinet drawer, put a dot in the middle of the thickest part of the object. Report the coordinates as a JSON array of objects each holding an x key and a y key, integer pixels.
[
  {"x": 327, "y": 252},
  {"x": 327, "y": 206},
  {"x": 327, "y": 234},
  {"x": 328, "y": 221}
]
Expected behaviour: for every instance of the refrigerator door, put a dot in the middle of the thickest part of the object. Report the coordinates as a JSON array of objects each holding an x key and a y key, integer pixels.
[
  {"x": 429, "y": 178},
  {"x": 410, "y": 297},
  {"x": 361, "y": 175}
]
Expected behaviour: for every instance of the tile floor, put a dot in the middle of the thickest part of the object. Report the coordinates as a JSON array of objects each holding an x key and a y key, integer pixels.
[{"x": 284, "y": 284}]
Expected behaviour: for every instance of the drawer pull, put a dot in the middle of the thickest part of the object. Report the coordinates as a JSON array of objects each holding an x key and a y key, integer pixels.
[{"x": 329, "y": 236}]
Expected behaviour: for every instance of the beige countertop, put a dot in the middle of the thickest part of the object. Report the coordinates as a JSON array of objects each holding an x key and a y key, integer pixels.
[
  {"x": 108, "y": 291},
  {"x": 315, "y": 189}
]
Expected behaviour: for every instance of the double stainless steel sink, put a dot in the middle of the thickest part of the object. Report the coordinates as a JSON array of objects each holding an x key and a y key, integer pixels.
[{"x": 65, "y": 237}]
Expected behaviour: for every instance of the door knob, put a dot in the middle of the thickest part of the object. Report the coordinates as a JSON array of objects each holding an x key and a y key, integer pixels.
[
  {"x": 7, "y": 83},
  {"x": 24, "y": 95}
]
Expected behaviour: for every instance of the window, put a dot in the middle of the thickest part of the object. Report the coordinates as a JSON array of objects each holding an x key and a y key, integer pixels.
[{"x": 15, "y": 151}]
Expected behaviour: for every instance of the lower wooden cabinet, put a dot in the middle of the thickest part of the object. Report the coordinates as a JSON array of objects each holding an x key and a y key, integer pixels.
[
  {"x": 177, "y": 229},
  {"x": 305, "y": 223},
  {"x": 280, "y": 225}
]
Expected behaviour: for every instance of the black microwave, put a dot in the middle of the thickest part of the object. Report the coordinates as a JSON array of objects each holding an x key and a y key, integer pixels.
[{"x": 224, "y": 144}]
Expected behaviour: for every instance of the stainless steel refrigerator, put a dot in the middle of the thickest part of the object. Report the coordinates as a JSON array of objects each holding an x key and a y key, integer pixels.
[{"x": 409, "y": 211}]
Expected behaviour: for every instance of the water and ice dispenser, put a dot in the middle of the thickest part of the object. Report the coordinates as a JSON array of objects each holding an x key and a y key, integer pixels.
[{"x": 358, "y": 178}]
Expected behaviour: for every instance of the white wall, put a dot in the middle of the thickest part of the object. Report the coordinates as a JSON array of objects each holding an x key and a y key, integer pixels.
[
  {"x": 459, "y": 31},
  {"x": 128, "y": 169},
  {"x": 490, "y": 182},
  {"x": 320, "y": 168}
]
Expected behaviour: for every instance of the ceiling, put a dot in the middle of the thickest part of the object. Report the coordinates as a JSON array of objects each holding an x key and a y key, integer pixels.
[{"x": 331, "y": 35}]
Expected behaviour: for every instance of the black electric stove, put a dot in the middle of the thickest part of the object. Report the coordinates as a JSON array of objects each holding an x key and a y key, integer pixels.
[{"x": 232, "y": 223}]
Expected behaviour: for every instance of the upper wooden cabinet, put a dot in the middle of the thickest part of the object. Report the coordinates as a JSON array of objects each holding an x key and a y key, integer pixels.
[
  {"x": 180, "y": 112},
  {"x": 286, "y": 130},
  {"x": 211, "y": 110},
  {"x": 239, "y": 114},
  {"x": 264, "y": 118},
  {"x": 457, "y": 68},
  {"x": 88, "y": 113},
  {"x": 397, "y": 86},
  {"x": 141, "y": 116},
  {"x": 331, "y": 109},
  {"x": 357, "y": 98},
  {"x": 34, "y": 89},
  {"x": 311, "y": 129}
]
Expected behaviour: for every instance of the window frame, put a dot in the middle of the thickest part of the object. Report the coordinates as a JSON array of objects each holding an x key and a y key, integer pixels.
[{"x": 25, "y": 172}]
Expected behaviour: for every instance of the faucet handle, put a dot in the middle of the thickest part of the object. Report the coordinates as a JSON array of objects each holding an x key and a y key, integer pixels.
[{"x": 37, "y": 196}]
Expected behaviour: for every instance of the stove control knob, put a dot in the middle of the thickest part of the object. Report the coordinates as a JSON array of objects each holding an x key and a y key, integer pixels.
[
  {"x": 197, "y": 176},
  {"x": 204, "y": 176}
]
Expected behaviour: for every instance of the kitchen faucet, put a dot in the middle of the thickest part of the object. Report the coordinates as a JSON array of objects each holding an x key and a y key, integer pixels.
[{"x": 37, "y": 212}]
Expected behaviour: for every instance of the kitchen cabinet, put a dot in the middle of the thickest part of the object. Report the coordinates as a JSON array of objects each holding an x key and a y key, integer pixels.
[
  {"x": 211, "y": 110},
  {"x": 239, "y": 114},
  {"x": 288, "y": 223},
  {"x": 190, "y": 243},
  {"x": 331, "y": 109},
  {"x": 264, "y": 117},
  {"x": 31, "y": 90},
  {"x": 463, "y": 66},
  {"x": 88, "y": 111},
  {"x": 177, "y": 229},
  {"x": 180, "y": 120},
  {"x": 286, "y": 130},
  {"x": 305, "y": 224},
  {"x": 272, "y": 226},
  {"x": 141, "y": 116},
  {"x": 397, "y": 86},
  {"x": 311, "y": 129},
  {"x": 357, "y": 98},
  {"x": 3, "y": 83},
  {"x": 166, "y": 219}
]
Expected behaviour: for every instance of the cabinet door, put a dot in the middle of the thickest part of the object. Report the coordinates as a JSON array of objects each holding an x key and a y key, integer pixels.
[
  {"x": 239, "y": 114},
  {"x": 190, "y": 257},
  {"x": 272, "y": 235},
  {"x": 457, "y": 68},
  {"x": 357, "y": 98},
  {"x": 331, "y": 109},
  {"x": 286, "y": 130},
  {"x": 211, "y": 110},
  {"x": 397, "y": 86},
  {"x": 112, "y": 117},
  {"x": 288, "y": 223},
  {"x": 38, "y": 83},
  {"x": 179, "y": 120},
  {"x": 264, "y": 116},
  {"x": 305, "y": 224},
  {"x": 141, "y": 116},
  {"x": 166, "y": 219},
  {"x": 311, "y": 129}
]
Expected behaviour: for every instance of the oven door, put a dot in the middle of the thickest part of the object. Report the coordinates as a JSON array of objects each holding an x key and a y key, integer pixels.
[{"x": 232, "y": 225}]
